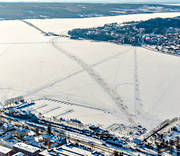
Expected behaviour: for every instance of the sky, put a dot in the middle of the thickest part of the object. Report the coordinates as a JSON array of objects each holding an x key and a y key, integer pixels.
[{"x": 107, "y": 1}]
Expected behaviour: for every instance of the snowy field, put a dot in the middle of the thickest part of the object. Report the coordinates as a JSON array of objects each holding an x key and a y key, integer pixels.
[
  {"x": 38, "y": 66},
  {"x": 173, "y": 4},
  {"x": 63, "y": 25}
]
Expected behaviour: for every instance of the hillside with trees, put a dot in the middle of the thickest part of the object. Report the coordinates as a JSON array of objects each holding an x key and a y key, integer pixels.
[{"x": 164, "y": 33}]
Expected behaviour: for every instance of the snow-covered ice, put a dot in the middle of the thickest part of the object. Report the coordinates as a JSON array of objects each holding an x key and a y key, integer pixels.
[{"x": 31, "y": 66}]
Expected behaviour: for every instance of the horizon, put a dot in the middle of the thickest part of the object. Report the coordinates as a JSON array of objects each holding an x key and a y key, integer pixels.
[{"x": 94, "y": 1}]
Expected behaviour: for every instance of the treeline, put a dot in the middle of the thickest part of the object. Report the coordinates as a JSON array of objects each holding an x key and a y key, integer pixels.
[
  {"x": 130, "y": 32},
  {"x": 158, "y": 25}
]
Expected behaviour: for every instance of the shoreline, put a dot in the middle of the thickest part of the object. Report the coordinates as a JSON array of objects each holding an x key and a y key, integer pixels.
[{"x": 77, "y": 18}]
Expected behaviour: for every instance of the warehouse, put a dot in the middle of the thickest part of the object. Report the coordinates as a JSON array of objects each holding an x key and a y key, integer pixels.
[{"x": 26, "y": 149}]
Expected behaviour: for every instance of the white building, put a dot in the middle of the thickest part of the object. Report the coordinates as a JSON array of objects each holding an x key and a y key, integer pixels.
[
  {"x": 26, "y": 149},
  {"x": 4, "y": 151}
]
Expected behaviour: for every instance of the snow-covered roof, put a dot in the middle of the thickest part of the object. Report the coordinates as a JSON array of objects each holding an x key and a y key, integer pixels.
[
  {"x": 45, "y": 153},
  {"x": 26, "y": 147},
  {"x": 4, "y": 150},
  {"x": 19, "y": 154},
  {"x": 70, "y": 150}
]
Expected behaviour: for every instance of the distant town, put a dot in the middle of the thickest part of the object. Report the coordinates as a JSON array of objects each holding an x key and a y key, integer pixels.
[
  {"x": 159, "y": 34},
  {"x": 25, "y": 133}
]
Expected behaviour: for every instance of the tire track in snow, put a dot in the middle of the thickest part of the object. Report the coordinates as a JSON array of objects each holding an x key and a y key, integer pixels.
[{"x": 112, "y": 93}]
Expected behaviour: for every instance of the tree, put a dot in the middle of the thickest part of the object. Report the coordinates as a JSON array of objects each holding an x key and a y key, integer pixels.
[
  {"x": 49, "y": 130},
  {"x": 178, "y": 145},
  {"x": 37, "y": 131}
]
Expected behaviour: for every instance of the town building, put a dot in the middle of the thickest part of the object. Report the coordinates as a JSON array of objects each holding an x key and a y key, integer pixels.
[
  {"x": 19, "y": 154},
  {"x": 26, "y": 149},
  {"x": 4, "y": 151}
]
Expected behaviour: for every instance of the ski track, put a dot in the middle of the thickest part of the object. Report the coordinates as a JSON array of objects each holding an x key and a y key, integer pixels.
[
  {"x": 99, "y": 80},
  {"x": 48, "y": 85},
  {"x": 112, "y": 93}
]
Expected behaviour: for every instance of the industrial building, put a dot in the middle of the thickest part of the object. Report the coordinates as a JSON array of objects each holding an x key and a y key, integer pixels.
[{"x": 26, "y": 149}]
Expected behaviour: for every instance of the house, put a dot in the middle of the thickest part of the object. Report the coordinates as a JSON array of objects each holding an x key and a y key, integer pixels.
[
  {"x": 21, "y": 132},
  {"x": 19, "y": 154},
  {"x": 7, "y": 126},
  {"x": 4, "y": 151},
  {"x": 52, "y": 141},
  {"x": 177, "y": 51}
]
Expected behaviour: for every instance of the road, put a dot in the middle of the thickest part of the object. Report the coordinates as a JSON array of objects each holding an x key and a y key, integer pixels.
[
  {"x": 35, "y": 27},
  {"x": 154, "y": 50}
]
